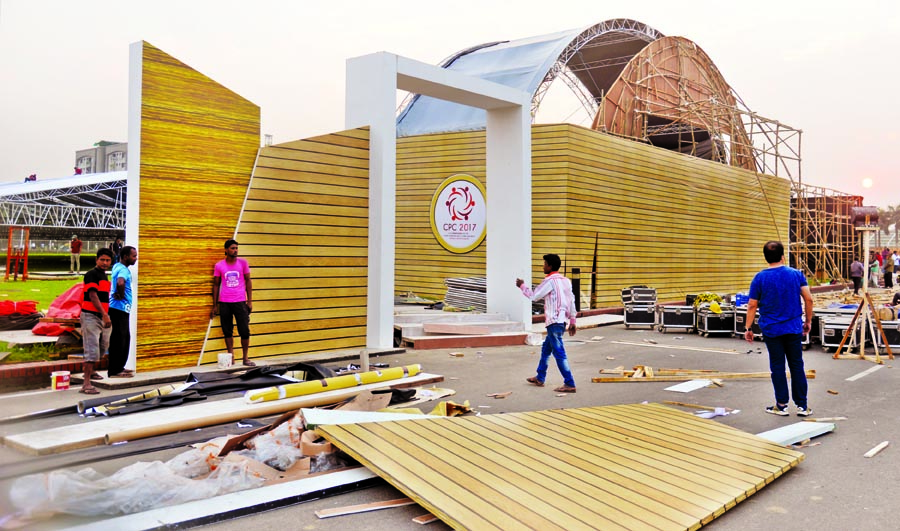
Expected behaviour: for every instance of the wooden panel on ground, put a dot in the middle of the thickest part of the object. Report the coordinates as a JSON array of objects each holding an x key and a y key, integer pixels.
[
  {"x": 198, "y": 143},
  {"x": 170, "y": 420},
  {"x": 653, "y": 216},
  {"x": 305, "y": 218},
  {"x": 642, "y": 466}
]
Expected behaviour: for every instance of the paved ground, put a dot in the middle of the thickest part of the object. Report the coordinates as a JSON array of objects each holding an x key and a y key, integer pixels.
[{"x": 834, "y": 488}]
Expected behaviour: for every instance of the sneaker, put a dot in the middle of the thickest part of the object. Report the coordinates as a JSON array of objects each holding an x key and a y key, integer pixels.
[
  {"x": 804, "y": 411},
  {"x": 779, "y": 410}
]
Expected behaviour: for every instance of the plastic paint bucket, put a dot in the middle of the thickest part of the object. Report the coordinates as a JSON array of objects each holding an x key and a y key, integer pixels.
[
  {"x": 59, "y": 380},
  {"x": 225, "y": 360}
]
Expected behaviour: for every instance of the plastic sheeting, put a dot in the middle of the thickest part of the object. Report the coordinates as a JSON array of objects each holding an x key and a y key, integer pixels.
[{"x": 520, "y": 64}]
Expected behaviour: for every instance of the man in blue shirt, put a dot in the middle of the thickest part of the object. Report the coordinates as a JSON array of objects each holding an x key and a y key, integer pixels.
[
  {"x": 776, "y": 292},
  {"x": 119, "y": 313}
]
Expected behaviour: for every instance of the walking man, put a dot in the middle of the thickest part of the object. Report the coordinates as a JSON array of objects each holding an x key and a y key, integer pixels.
[
  {"x": 119, "y": 313},
  {"x": 75, "y": 254},
  {"x": 95, "y": 323},
  {"x": 776, "y": 292},
  {"x": 233, "y": 299},
  {"x": 559, "y": 309}
]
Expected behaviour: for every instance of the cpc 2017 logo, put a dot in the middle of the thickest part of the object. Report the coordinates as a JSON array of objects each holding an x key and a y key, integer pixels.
[{"x": 458, "y": 213}]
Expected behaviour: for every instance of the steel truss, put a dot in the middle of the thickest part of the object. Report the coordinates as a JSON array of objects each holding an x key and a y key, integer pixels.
[
  {"x": 588, "y": 38},
  {"x": 87, "y": 193},
  {"x": 35, "y": 215}
]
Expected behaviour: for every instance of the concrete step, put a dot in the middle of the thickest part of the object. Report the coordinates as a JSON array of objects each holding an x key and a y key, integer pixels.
[
  {"x": 490, "y": 327},
  {"x": 456, "y": 341},
  {"x": 447, "y": 317}
]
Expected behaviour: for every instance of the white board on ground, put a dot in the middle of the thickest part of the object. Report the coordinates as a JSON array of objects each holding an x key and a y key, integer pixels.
[
  {"x": 171, "y": 517},
  {"x": 687, "y": 387},
  {"x": 318, "y": 417},
  {"x": 794, "y": 433}
]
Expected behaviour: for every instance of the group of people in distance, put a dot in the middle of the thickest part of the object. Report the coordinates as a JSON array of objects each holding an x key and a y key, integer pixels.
[
  {"x": 107, "y": 302},
  {"x": 882, "y": 265}
]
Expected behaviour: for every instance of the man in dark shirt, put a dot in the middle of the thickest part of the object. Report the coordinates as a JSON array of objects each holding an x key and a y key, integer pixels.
[{"x": 95, "y": 323}]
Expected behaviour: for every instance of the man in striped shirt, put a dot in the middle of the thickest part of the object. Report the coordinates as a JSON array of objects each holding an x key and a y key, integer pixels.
[
  {"x": 95, "y": 323},
  {"x": 559, "y": 309}
]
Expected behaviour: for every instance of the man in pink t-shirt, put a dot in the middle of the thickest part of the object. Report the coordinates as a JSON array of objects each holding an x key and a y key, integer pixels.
[{"x": 233, "y": 299}]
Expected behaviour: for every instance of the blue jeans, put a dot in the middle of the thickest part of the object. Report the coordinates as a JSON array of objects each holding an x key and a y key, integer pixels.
[
  {"x": 787, "y": 347},
  {"x": 554, "y": 343}
]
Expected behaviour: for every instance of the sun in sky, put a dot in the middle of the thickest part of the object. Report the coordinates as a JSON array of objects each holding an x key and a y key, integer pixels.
[{"x": 867, "y": 182}]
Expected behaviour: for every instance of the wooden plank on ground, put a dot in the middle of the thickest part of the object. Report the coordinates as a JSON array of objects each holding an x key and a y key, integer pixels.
[{"x": 363, "y": 508}]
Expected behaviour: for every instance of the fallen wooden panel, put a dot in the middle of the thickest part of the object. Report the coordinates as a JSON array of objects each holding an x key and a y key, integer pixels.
[
  {"x": 794, "y": 433},
  {"x": 170, "y": 420},
  {"x": 237, "y": 504},
  {"x": 642, "y": 466},
  {"x": 455, "y": 328}
]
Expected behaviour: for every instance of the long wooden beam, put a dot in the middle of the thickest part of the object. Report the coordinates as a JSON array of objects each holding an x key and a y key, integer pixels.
[{"x": 811, "y": 374}]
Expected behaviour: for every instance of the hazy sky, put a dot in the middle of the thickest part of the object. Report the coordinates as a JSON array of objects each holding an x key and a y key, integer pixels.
[{"x": 828, "y": 68}]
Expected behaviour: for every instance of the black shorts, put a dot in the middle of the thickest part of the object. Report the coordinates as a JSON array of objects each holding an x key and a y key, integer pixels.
[{"x": 240, "y": 313}]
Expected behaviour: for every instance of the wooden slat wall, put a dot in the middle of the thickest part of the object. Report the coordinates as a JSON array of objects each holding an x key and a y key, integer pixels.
[
  {"x": 304, "y": 231},
  {"x": 671, "y": 221},
  {"x": 667, "y": 220},
  {"x": 635, "y": 467},
  {"x": 198, "y": 144}
]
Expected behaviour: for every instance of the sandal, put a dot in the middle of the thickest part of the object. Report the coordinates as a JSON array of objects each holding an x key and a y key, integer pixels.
[
  {"x": 96, "y": 376},
  {"x": 249, "y": 363},
  {"x": 89, "y": 391}
]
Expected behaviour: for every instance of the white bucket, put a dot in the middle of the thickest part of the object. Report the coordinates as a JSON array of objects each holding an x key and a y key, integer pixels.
[
  {"x": 59, "y": 380},
  {"x": 225, "y": 360}
]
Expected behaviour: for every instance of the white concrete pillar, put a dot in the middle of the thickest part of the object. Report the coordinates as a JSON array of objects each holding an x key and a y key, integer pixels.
[
  {"x": 371, "y": 100},
  {"x": 133, "y": 197},
  {"x": 508, "y": 210}
]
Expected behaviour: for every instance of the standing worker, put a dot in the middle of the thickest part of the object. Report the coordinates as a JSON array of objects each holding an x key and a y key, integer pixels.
[
  {"x": 889, "y": 272},
  {"x": 776, "y": 292},
  {"x": 95, "y": 323},
  {"x": 233, "y": 299},
  {"x": 559, "y": 308},
  {"x": 120, "y": 312},
  {"x": 75, "y": 255},
  {"x": 856, "y": 274}
]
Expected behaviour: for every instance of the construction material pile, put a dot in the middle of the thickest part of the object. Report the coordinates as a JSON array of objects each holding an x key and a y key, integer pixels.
[
  {"x": 467, "y": 293},
  {"x": 471, "y": 294}
]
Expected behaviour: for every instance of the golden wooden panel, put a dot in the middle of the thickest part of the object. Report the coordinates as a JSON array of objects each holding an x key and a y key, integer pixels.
[
  {"x": 304, "y": 232},
  {"x": 198, "y": 144},
  {"x": 678, "y": 223},
  {"x": 638, "y": 467}
]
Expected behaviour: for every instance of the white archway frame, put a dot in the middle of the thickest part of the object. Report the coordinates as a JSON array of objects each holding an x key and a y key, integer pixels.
[{"x": 371, "y": 99}]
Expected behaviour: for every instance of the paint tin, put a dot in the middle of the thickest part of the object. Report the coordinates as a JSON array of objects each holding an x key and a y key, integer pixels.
[
  {"x": 59, "y": 380},
  {"x": 226, "y": 360}
]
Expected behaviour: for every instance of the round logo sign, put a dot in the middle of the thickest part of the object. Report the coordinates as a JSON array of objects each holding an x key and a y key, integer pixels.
[{"x": 458, "y": 213}]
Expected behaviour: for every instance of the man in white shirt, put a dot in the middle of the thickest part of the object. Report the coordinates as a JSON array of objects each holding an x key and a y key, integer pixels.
[{"x": 559, "y": 309}]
